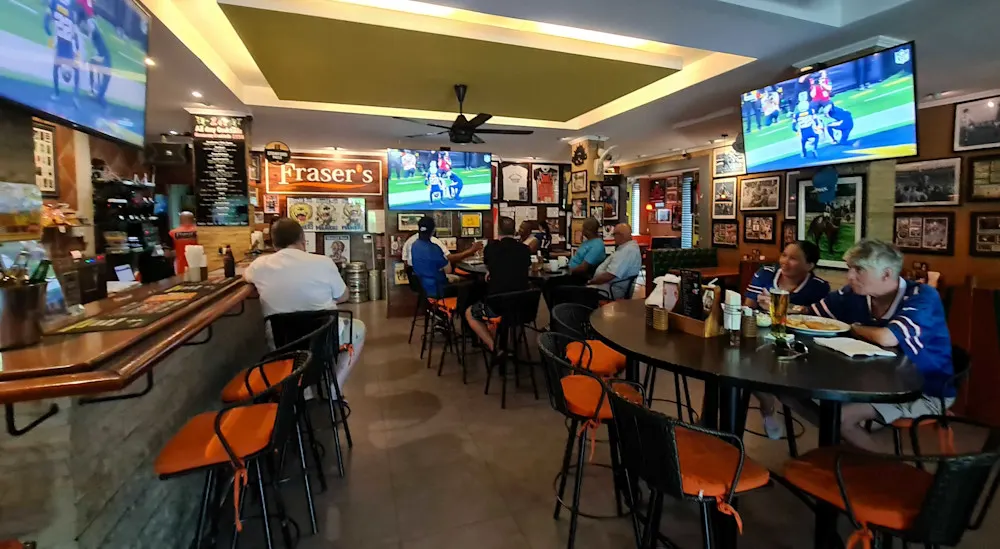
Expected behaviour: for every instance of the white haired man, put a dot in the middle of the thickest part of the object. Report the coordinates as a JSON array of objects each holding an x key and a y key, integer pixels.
[{"x": 889, "y": 311}]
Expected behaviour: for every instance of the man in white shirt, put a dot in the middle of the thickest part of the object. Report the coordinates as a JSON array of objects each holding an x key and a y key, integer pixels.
[
  {"x": 292, "y": 280},
  {"x": 624, "y": 263}
]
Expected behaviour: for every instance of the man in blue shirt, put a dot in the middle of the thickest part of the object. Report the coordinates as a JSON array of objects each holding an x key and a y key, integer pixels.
[
  {"x": 428, "y": 260},
  {"x": 625, "y": 263},
  {"x": 889, "y": 311},
  {"x": 590, "y": 253}
]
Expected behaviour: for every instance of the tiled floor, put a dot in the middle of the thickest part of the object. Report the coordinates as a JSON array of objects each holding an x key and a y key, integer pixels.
[{"x": 438, "y": 465}]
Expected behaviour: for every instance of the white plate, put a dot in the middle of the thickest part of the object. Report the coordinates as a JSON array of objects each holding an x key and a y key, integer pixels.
[{"x": 841, "y": 326}]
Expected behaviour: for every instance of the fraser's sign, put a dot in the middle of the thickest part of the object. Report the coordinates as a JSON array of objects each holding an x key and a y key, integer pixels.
[{"x": 345, "y": 174}]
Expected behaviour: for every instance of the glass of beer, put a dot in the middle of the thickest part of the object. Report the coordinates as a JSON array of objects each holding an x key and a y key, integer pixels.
[{"x": 779, "y": 311}]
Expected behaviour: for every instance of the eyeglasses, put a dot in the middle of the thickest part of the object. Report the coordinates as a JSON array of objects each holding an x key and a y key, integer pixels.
[{"x": 789, "y": 350}]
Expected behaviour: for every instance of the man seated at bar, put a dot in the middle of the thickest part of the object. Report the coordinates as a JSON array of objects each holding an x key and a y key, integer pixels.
[
  {"x": 430, "y": 263},
  {"x": 507, "y": 263},
  {"x": 590, "y": 253},
  {"x": 526, "y": 232},
  {"x": 625, "y": 262},
  {"x": 889, "y": 311},
  {"x": 793, "y": 274},
  {"x": 407, "y": 252},
  {"x": 293, "y": 280}
]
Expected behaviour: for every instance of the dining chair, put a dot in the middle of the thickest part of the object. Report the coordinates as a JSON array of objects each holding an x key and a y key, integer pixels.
[
  {"x": 581, "y": 397},
  {"x": 515, "y": 311},
  {"x": 619, "y": 289},
  {"x": 242, "y": 439},
  {"x": 885, "y": 496},
  {"x": 573, "y": 319},
  {"x": 684, "y": 461},
  {"x": 583, "y": 295},
  {"x": 419, "y": 309}
]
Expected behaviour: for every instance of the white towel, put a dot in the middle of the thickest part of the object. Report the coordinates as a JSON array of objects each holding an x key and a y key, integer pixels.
[{"x": 853, "y": 347}]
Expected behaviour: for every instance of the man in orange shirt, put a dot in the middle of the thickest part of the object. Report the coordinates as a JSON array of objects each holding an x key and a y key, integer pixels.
[{"x": 183, "y": 235}]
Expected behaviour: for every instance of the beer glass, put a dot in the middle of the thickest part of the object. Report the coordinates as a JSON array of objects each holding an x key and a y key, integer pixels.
[{"x": 779, "y": 311}]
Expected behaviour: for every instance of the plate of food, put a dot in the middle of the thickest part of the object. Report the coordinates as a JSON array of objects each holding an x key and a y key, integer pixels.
[{"x": 816, "y": 325}]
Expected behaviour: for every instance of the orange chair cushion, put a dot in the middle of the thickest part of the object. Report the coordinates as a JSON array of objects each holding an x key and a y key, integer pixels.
[
  {"x": 583, "y": 392},
  {"x": 883, "y": 493},
  {"x": 446, "y": 304},
  {"x": 907, "y": 422},
  {"x": 708, "y": 463},
  {"x": 236, "y": 389},
  {"x": 605, "y": 362},
  {"x": 247, "y": 430}
]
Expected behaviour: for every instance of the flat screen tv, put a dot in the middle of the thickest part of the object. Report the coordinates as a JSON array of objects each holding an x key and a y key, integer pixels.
[
  {"x": 860, "y": 110},
  {"x": 439, "y": 180},
  {"x": 80, "y": 62}
]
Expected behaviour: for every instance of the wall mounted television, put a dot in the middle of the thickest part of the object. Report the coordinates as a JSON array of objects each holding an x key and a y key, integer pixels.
[
  {"x": 855, "y": 111},
  {"x": 439, "y": 180},
  {"x": 80, "y": 62}
]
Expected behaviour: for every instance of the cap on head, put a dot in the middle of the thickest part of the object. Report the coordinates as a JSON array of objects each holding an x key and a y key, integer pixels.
[{"x": 425, "y": 227}]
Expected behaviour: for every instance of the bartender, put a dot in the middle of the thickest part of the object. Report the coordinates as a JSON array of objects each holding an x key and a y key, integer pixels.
[{"x": 183, "y": 235}]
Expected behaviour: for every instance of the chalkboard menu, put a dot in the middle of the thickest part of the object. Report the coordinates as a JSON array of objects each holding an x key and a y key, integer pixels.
[
  {"x": 220, "y": 163},
  {"x": 690, "y": 295}
]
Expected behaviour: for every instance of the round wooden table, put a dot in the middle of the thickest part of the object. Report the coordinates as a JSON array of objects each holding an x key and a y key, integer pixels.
[
  {"x": 541, "y": 274},
  {"x": 731, "y": 372}
]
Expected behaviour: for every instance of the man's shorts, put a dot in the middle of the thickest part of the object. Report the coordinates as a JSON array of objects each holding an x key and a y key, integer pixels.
[
  {"x": 923, "y": 406},
  {"x": 481, "y": 312}
]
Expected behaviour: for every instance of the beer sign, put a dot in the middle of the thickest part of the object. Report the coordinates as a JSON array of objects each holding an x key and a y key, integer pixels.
[
  {"x": 345, "y": 174},
  {"x": 277, "y": 152}
]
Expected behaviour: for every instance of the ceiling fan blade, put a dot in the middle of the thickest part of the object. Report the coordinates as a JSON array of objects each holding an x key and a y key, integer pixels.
[
  {"x": 507, "y": 132},
  {"x": 479, "y": 119},
  {"x": 477, "y": 140},
  {"x": 428, "y": 134},
  {"x": 421, "y": 122}
]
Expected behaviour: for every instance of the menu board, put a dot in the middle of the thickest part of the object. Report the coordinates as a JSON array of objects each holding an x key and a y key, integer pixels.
[
  {"x": 690, "y": 295},
  {"x": 220, "y": 163}
]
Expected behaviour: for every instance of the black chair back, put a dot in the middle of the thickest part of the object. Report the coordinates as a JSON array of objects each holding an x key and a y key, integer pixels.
[
  {"x": 515, "y": 308},
  {"x": 583, "y": 295},
  {"x": 623, "y": 289},
  {"x": 648, "y": 446},
  {"x": 555, "y": 367},
  {"x": 572, "y": 319},
  {"x": 415, "y": 285},
  {"x": 315, "y": 331}
]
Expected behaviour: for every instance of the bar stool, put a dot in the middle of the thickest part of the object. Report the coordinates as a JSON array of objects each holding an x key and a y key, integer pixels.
[
  {"x": 236, "y": 439},
  {"x": 292, "y": 331},
  {"x": 253, "y": 381},
  {"x": 515, "y": 310},
  {"x": 573, "y": 320}
]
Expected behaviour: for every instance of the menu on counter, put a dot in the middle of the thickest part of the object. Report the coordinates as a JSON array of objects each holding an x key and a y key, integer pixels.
[
  {"x": 220, "y": 163},
  {"x": 690, "y": 295}
]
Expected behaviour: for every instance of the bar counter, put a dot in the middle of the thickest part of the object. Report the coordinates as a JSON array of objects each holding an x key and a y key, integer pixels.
[{"x": 82, "y": 478}]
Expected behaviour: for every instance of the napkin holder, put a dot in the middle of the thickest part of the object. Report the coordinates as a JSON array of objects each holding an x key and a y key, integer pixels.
[{"x": 711, "y": 326}]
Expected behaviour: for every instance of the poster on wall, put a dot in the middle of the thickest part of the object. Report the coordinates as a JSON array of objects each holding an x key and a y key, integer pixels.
[
  {"x": 45, "y": 159},
  {"x": 928, "y": 183},
  {"x": 576, "y": 232},
  {"x": 220, "y": 171},
  {"x": 724, "y": 198},
  {"x": 399, "y": 272},
  {"x": 925, "y": 233},
  {"x": 443, "y": 224},
  {"x": 578, "y": 182},
  {"x": 725, "y": 234},
  {"x": 515, "y": 182},
  {"x": 545, "y": 184},
  {"x": 609, "y": 196},
  {"x": 832, "y": 222},
  {"x": 20, "y": 212},
  {"x": 727, "y": 162},
  {"x": 337, "y": 247},
  {"x": 760, "y": 194},
  {"x": 270, "y": 203},
  {"x": 976, "y": 124},
  {"x": 984, "y": 178},
  {"x": 340, "y": 173},
  {"x": 759, "y": 229},
  {"x": 472, "y": 224},
  {"x": 328, "y": 214}
]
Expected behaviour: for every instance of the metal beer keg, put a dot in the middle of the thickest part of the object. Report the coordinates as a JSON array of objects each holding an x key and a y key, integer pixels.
[{"x": 356, "y": 277}]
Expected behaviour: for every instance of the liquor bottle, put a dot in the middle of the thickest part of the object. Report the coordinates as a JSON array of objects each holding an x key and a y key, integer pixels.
[
  {"x": 40, "y": 273},
  {"x": 229, "y": 263}
]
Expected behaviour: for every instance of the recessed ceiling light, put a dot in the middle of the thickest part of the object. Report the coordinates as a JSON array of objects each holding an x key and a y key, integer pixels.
[
  {"x": 150, "y": 62},
  {"x": 196, "y": 94},
  {"x": 172, "y": 132}
]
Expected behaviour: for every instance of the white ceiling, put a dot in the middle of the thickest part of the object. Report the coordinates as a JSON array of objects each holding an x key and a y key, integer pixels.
[{"x": 956, "y": 44}]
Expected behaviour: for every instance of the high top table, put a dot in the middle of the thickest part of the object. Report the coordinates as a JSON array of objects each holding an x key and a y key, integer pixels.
[{"x": 731, "y": 372}]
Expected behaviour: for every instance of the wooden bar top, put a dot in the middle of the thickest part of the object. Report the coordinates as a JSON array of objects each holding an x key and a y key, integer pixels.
[{"x": 97, "y": 362}]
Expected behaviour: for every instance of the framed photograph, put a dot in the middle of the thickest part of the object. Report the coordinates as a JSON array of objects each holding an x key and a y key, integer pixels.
[
  {"x": 976, "y": 124},
  {"x": 929, "y": 183},
  {"x": 408, "y": 221},
  {"x": 676, "y": 223},
  {"x": 495, "y": 180},
  {"x": 984, "y": 234},
  {"x": 337, "y": 247},
  {"x": 925, "y": 232},
  {"x": 399, "y": 272},
  {"x": 791, "y": 195},
  {"x": 253, "y": 170},
  {"x": 396, "y": 242},
  {"x": 578, "y": 182},
  {"x": 984, "y": 179},
  {"x": 515, "y": 182},
  {"x": 597, "y": 212},
  {"x": 576, "y": 232},
  {"x": 664, "y": 215},
  {"x": 545, "y": 184},
  {"x": 595, "y": 192},
  {"x": 609, "y": 195},
  {"x": 727, "y": 162},
  {"x": 833, "y": 226},
  {"x": 725, "y": 234},
  {"x": 579, "y": 208},
  {"x": 788, "y": 230},
  {"x": 270, "y": 203},
  {"x": 759, "y": 229},
  {"x": 443, "y": 224},
  {"x": 45, "y": 159},
  {"x": 724, "y": 198},
  {"x": 760, "y": 194},
  {"x": 608, "y": 232}
]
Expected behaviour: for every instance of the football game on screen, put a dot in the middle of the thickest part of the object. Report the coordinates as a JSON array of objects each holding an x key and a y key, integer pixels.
[{"x": 439, "y": 180}]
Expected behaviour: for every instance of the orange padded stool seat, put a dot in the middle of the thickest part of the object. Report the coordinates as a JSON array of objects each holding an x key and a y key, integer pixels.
[
  {"x": 274, "y": 372},
  {"x": 883, "y": 493},
  {"x": 605, "y": 362},
  {"x": 707, "y": 464},
  {"x": 247, "y": 429},
  {"x": 583, "y": 392}
]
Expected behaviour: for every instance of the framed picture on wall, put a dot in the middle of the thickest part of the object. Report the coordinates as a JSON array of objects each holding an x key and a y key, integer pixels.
[
  {"x": 45, "y": 159},
  {"x": 595, "y": 192},
  {"x": 576, "y": 232},
  {"x": 677, "y": 220},
  {"x": 578, "y": 182},
  {"x": 727, "y": 162},
  {"x": 788, "y": 230},
  {"x": 725, "y": 234},
  {"x": 929, "y": 183},
  {"x": 759, "y": 228},
  {"x": 253, "y": 170},
  {"x": 984, "y": 234},
  {"x": 976, "y": 124},
  {"x": 408, "y": 221},
  {"x": 791, "y": 195},
  {"x": 984, "y": 179},
  {"x": 925, "y": 232},
  {"x": 664, "y": 215},
  {"x": 494, "y": 180},
  {"x": 760, "y": 194},
  {"x": 835, "y": 226},
  {"x": 443, "y": 222},
  {"x": 609, "y": 195},
  {"x": 724, "y": 198},
  {"x": 545, "y": 184},
  {"x": 597, "y": 212}
]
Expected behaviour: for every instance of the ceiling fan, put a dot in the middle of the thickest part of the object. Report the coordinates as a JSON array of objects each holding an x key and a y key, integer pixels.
[{"x": 463, "y": 130}]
